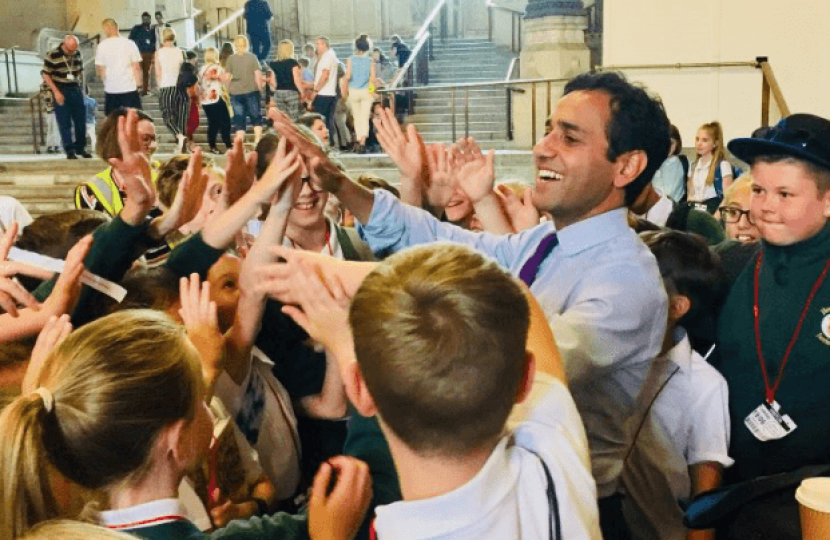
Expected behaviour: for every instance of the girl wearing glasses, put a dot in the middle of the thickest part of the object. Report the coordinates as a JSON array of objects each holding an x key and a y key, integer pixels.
[{"x": 734, "y": 212}]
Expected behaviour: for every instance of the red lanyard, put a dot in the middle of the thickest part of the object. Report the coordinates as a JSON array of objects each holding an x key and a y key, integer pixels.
[
  {"x": 770, "y": 390},
  {"x": 143, "y": 522}
]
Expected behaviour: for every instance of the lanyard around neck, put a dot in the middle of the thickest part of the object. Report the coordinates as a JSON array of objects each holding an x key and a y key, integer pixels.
[{"x": 770, "y": 390}]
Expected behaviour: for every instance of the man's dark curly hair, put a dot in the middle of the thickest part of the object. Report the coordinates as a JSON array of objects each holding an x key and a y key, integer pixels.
[{"x": 638, "y": 122}]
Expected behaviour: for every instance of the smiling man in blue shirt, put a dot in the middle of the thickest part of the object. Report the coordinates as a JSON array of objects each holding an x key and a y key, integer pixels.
[{"x": 598, "y": 285}]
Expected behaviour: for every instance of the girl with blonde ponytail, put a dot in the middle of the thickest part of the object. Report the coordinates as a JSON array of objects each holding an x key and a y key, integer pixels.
[
  {"x": 119, "y": 410},
  {"x": 710, "y": 174}
]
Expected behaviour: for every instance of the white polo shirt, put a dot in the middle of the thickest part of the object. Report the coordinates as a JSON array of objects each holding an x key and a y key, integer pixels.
[
  {"x": 327, "y": 61},
  {"x": 117, "y": 55},
  {"x": 507, "y": 498}
]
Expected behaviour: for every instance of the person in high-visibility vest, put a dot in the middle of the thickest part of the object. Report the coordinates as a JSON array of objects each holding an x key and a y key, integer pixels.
[{"x": 105, "y": 191}]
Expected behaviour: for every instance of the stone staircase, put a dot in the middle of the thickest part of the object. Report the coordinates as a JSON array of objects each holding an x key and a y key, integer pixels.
[
  {"x": 16, "y": 128},
  {"x": 458, "y": 61}
]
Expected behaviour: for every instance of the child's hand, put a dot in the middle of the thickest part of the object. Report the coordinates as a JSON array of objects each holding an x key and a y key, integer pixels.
[
  {"x": 188, "y": 198},
  {"x": 133, "y": 166},
  {"x": 198, "y": 313},
  {"x": 406, "y": 149},
  {"x": 272, "y": 187},
  {"x": 521, "y": 211},
  {"x": 11, "y": 292},
  {"x": 476, "y": 171},
  {"x": 336, "y": 514},
  {"x": 323, "y": 310},
  {"x": 49, "y": 339},
  {"x": 240, "y": 172},
  {"x": 223, "y": 510},
  {"x": 442, "y": 180},
  {"x": 68, "y": 285}
]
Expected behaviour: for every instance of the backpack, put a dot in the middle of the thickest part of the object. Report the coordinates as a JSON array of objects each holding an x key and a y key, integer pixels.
[{"x": 736, "y": 172}]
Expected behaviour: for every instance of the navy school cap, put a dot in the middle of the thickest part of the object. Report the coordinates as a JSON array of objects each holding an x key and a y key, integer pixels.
[{"x": 802, "y": 136}]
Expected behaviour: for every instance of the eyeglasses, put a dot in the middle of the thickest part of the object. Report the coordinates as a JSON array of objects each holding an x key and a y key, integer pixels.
[{"x": 730, "y": 214}]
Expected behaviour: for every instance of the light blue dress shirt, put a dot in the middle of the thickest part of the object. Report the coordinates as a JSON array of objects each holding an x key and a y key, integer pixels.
[
  {"x": 670, "y": 180},
  {"x": 601, "y": 292}
]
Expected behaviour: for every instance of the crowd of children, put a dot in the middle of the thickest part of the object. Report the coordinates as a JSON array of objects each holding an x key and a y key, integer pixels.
[{"x": 274, "y": 350}]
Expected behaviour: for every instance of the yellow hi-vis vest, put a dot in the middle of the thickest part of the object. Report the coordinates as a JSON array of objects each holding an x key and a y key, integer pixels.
[{"x": 106, "y": 191}]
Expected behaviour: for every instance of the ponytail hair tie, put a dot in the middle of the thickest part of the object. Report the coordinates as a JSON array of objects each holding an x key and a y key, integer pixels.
[{"x": 48, "y": 398}]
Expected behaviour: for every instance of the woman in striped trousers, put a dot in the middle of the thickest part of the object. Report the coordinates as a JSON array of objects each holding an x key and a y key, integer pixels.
[{"x": 174, "y": 103}]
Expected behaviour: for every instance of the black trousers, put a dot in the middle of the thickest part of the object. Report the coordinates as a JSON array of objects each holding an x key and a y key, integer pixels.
[
  {"x": 130, "y": 100},
  {"x": 219, "y": 122},
  {"x": 71, "y": 112},
  {"x": 326, "y": 105},
  {"x": 260, "y": 45}
]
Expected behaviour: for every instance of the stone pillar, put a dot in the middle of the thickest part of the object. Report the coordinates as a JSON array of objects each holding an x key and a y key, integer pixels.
[{"x": 553, "y": 46}]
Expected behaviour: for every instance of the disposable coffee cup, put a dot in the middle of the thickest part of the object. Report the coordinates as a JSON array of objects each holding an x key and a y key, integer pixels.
[{"x": 813, "y": 496}]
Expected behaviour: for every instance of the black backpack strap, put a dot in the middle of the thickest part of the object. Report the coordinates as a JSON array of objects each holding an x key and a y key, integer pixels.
[{"x": 553, "y": 503}]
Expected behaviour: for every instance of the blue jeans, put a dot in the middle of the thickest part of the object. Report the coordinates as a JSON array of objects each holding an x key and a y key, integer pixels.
[
  {"x": 73, "y": 111},
  {"x": 245, "y": 105}
]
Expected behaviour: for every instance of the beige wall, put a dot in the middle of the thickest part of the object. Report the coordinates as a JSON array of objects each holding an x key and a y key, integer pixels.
[
  {"x": 18, "y": 22},
  {"x": 795, "y": 36}
]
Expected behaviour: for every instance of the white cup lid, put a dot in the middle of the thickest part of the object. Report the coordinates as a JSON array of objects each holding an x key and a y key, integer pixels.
[{"x": 814, "y": 493}]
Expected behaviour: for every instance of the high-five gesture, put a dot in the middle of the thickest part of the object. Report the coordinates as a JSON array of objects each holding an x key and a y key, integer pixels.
[
  {"x": 442, "y": 178},
  {"x": 240, "y": 171},
  {"x": 406, "y": 149},
  {"x": 188, "y": 199},
  {"x": 200, "y": 318},
  {"x": 476, "y": 172},
  {"x": 133, "y": 166}
]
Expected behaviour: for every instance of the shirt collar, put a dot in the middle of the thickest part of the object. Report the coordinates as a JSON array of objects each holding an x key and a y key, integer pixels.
[
  {"x": 452, "y": 511},
  {"x": 595, "y": 230},
  {"x": 681, "y": 354},
  {"x": 146, "y": 514}
]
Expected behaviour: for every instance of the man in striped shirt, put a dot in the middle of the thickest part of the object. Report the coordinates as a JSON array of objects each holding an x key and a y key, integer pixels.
[{"x": 63, "y": 71}]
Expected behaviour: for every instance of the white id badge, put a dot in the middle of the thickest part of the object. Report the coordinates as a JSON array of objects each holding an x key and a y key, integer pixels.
[
  {"x": 768, "y": 424},
  {"x": 70, "y": 77}
]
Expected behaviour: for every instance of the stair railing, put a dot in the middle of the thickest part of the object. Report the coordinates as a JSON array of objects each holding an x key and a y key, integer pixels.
[
  {"x": 514, "y": 65},
  {"x": 13, "y": 69},
  {"x": 516, "y": 17},
  {"x": 218, "y": 28},
  {"x": 769, "y": 84}
]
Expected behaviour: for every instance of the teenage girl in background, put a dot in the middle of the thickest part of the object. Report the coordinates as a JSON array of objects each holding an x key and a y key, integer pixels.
[{"x": 710, "y": 174}]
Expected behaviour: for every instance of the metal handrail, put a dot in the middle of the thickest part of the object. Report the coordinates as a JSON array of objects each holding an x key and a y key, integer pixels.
[
  {"x": 429, "y": 19},
  {"x": 679, "y": 65},
  {"x": 219, "y": 26},
  {"x": 491, "y": 4},
  {"x": 36, "y": 108},
  {"x": 470, "y": 85},
  {"x": 14, "y": 68},
  {"x": 408, "y": 64},
  {"x": 511, "y": 68}
]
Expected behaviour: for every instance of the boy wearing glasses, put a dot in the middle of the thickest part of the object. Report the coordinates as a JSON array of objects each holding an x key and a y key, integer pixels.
[{"x": 774, "y": 330}]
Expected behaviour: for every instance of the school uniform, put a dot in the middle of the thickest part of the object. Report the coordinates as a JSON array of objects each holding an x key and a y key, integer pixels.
[
  {"x": 785, "y": 279},
  {"x": 687, "y": 422},
  {"x": 164, "y": 519},
  {"x": 536, "y": 483}
]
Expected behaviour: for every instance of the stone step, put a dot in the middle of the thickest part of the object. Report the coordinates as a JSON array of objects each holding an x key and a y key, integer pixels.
[{"x": 432, "y": 127}]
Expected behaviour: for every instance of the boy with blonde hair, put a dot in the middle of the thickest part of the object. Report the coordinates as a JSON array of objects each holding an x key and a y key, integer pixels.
[{"x": 774, "y": 331}]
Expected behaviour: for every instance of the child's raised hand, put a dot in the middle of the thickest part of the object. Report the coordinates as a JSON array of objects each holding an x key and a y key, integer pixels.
[
  {"x": 133, "y": 166},
  {"x": 476, "y": 171},
  {"x": 200, "y": 319},
  {"x": 281, "y": 183},
  {"x": 336, "y": 513},
  {"x": 520, "y": 210},
  {"x": 240, "y": 171},
  {"x": 189, "y": 195},
  {"x": 323, "y": 310},
  {"x": 405, "y": 148},
  {"x": 68, "y": 285},
  {"x": 49, "y": 339}
]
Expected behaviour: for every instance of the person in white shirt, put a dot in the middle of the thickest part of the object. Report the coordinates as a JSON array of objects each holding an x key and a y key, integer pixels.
[
  {"x": 324, "y": 92},
  {"x": 608, "y": 138},
  {"x": 710, "y": 174},
  {"x": 118, "y": 63},
  {"x": 682, "y": 442},
  {"x": 456, "y": 359}
]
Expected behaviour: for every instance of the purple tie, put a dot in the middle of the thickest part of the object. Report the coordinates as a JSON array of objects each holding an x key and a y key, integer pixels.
[{"x": 531, "y": 266}]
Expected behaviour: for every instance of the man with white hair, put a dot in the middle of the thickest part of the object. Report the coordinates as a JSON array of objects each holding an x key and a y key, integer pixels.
[
  {"x": 63, "y": 71},
  {"x": 119, "y": 65}
]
